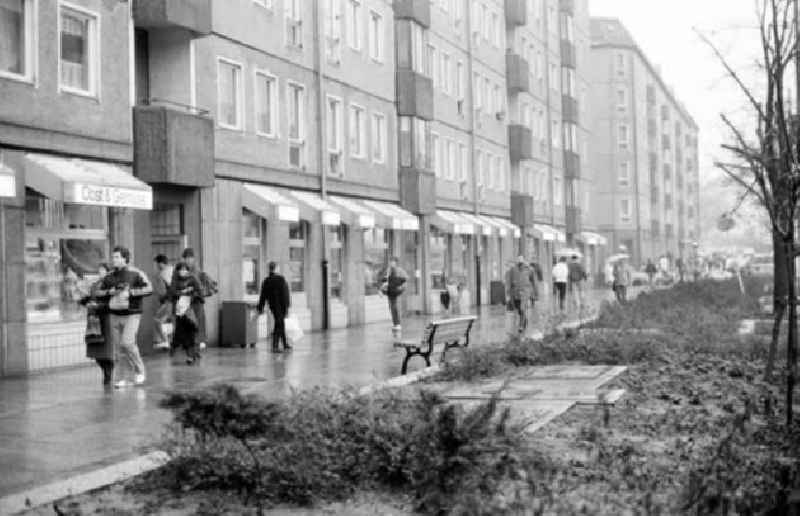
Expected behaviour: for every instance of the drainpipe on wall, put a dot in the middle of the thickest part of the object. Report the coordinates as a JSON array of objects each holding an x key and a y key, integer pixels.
[
  {"x": 321, "y": 149},
  {"x": 635, "y": 144},
  {"x": 475, "y": 200}
]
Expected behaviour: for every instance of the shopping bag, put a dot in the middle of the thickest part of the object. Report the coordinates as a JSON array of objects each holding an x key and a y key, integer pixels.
[
  {"x": 183, "y": 304},
  {"x": 94, "y": 330},
  {"x": 293, "y": 330}
]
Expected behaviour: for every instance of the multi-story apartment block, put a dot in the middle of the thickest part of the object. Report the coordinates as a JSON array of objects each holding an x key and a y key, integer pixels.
[
  {"x": 644, "y": 149},
  {"x": 326, "y": 136}
]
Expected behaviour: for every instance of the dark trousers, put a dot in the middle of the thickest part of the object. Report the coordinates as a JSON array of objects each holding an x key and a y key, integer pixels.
[
  {"x": 522, "y": 313},
  {"x": 107, "y": 366},
  {"x": 279, "y": 331},
  {"x": 622, "y": 293},
  {"x": 394, "y": 310},
  {"x": 561, "y": 293}
]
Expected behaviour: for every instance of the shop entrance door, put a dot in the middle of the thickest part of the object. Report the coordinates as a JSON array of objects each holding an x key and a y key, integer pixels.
[{"x": 167, "y": 231}]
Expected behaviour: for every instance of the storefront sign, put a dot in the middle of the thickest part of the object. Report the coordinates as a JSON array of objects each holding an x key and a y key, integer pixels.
[
  {"x": 101, "y": 195},
  {"x": 8, "y": 185},
  {"x": 288, "y": 213},
  {"x": 330, "y": 218}
]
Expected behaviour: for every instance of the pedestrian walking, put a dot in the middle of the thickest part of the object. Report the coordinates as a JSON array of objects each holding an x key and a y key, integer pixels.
[
  {"x": 622, "y": 278},
  {"x": 681, "y": 268},
  {"x": 519, "y": 288},
  {"x": 650, "y": 269},
  {"x": 98, "y": 342},
  {"x": 185, "y": 294},
  {"x": 560, "y": 278},
  {"x": 275, "y": 292},
  {"x": 208, "y": 287},
  {"x": 164, "y": 312},
  {"x": 577, "y": 276},
  {"x": 124, "y": 287},
  {"x": 393, "y": 285}
]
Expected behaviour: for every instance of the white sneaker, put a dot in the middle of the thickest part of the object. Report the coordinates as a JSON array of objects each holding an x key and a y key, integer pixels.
[
  {"x": 202, "y": 345},
  {"x": 139, "y": 379},
  {"x": 121, "y": 384}
]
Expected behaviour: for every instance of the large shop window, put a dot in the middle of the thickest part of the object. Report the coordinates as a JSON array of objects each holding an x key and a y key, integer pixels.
[
  {"x": 376, "y": 258},
  {"x": 295, "y": 274},
  {"x": 64, "y": 246},
  {"x": 336, "y": 265},
  {"x": 461, "y": 258},
  {"x": 252, "y": 238},
  {"x": 409, "y": 260},
  {"x": 439, "y": 258}
]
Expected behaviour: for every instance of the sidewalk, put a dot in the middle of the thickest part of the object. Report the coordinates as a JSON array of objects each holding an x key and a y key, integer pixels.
[{"x": 63, "y": 423}]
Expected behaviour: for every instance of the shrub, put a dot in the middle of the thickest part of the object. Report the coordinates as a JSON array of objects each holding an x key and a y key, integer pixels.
[{"x": 322, "y": 445}]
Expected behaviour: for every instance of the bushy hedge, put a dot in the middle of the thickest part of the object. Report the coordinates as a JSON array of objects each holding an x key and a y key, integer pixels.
[{"x": 321, "y": 445}]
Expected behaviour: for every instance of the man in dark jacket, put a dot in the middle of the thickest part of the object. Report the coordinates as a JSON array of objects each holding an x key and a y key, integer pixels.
[
  {"x": 275, "y": 291},
  {"x": 393, "y": 285},
  {"x": 124, "y": 287}
]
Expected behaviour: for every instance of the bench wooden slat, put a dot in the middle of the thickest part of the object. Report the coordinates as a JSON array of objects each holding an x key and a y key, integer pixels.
[{"x": 448, "y": 333}]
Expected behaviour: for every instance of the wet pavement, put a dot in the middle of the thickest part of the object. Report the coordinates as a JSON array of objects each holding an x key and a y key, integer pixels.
[{"x": 57, "y": 424}]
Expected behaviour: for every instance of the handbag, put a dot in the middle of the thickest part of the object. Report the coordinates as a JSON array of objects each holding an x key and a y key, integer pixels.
[
  {"x": 121, "y": 300},
  {"x": 94, "y": 330},
  {"x": 293, "y": 330}
]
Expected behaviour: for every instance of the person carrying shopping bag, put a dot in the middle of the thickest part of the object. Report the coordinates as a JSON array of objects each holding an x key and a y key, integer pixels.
[
  {"x": 185, "y": 294},
  {"x": 275, "y": 292}
]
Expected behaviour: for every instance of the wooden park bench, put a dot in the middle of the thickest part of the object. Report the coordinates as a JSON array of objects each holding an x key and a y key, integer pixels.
[{"x": 449, "y": 333}]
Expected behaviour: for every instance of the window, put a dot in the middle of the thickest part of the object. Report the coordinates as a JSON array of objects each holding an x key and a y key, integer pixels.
[
  {"x": 624, "y": 174},
  {"x": 478, "y": 93},
  {"x": 619, "y": 64},
  {"x": 333, "y": 30},
  {"x": 625, "y": 210},
  {"x": 567, "y": 28},
  {"x": 622, "y": 96},
  {"x": 444, "y": 158},
  {"x": 79, "y": 51},
  {"x": 558, "y": 191},
  {"x": 488, "y": 28},
  {"x": 444, "y": 72},
  {"x": 297, "y": 124},
  {"x": 378, "y": 138},
  {"x": 568, "y": 83},
  {"x": 487, "y": 90},
  {"x": 554, "y": 77},
  {"x": 264, "y": 3},
  {"x": 458, "y": 12},
  {"x": 266, "y": 104},
  {"x": 452, "y": 155},
  {"x": 357, "y": 132},
  {"x": 354, "y": 24},
  {"x": 334, "y": 124},
  {"x": 556, "y": 132},
  {"x": 478, "y": 169},
  {"x": 229, "y": 75},
  {"x": 622, "y": 136},
  {"x": 252, "y": 236},
  {"x": 436, "y": 154},
  {"x": 459, "y": 80},
  {"x": 501, "y": 174},
  {"x": 487, "y": 170},
  {"x": 462, "y": 171},
  {"x": 376, "y": 36},
  {"x": 496, "y": 30},
  {"x": 434, "y": 69},
  {"x": 16, "y": 38},
  {"x": 294, "y": 23},
  {"x": 477, "y": 29},
  {"x": 570, "y": 137},
  {"x": 499, "y": 100},
  {"x": 419, "y": 63}
]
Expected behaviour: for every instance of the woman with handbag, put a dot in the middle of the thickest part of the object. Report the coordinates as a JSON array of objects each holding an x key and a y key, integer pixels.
[
  {"x": 98, "y": 345},
  {"x": 186, "y": 294}
]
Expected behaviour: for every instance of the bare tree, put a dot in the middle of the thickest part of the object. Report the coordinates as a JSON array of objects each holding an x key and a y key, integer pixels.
[{"x": 765, "y": 164}]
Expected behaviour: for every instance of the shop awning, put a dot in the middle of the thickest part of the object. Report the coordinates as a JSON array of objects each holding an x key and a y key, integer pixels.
[
  {"x": 512, "y": 228},
  {"x": 8, "y": 182},
  {"x": 486, "y": 227},
  {"x": 316, "y": 205},
  {"x": 494, "y": 226},
  {"x": 546, "y": 232},
  {"x": 593, "y": 238},
  {"x": 80, "y": 181},
  {"x": 454, "y": 222},
  {"x": 392, "y": 216},
  {"x": 355, "y": 213},
  {"x": 269, "y": 203},
  {"x": 560, "y": 235}
]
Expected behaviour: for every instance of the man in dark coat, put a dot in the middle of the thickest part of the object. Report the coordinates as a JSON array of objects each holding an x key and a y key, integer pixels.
[
  {"x": 393, "y": 285},
  {"x": 275, "y": 291}
]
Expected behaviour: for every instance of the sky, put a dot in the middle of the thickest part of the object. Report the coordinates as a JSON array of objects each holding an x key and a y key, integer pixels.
[{"x": 665, "y": 30}]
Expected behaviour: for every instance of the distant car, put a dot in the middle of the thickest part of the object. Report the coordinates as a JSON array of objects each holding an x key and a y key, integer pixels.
[
  {"x": 639, "y": 278},
  {"x": 762, "y": 265},
  {"x": 720, "y": 275}
]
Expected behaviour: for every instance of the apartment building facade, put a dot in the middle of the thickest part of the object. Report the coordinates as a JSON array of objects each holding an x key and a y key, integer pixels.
[
  {"x": 644, "y": 150},
  {"x": 326, "y": 136}
]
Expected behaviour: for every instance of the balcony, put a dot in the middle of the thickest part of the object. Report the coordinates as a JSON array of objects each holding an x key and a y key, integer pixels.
[
  {"x": 520, "y": 142},
  {"x": 173, "y": 146},
  {"x": 191, "y": 15},
  {"x": 569, "y": 109},
  {"x": 522, "y": 209},
  {"x": 568, "y": 58},
  {"x": 668, "y": 231},
  {"x": 416, "y": 10},
  {"x": 654, "y": 195},
  {"x": 418, "y": 191},
  {"x": 517, "y": 73},
  {"x": 516, "y": 13},
  {"x": 655, "y": 228},
  {"x": 566, "y": 6},
  {"x": 666, "y": 142},
  {"x": 668, "y": 202},
  {"x": 573, "y": 220},
  {"x": 414, "y": 94},
  {"x": 572, "y": 165}
]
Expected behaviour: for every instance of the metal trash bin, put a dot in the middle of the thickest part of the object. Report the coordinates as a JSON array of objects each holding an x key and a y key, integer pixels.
[
  {"x": 238, "y": 324},
  {"x": 497, "y": 293}
]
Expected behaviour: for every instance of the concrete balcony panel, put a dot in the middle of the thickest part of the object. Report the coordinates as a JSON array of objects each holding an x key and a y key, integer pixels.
[
  {"x": 573, "y": 219},
  {"x": 522, "y": 209},
  {"x": 520, "y": 142},
  {"x": 566, "y": 6},
  {"x": 416, "y": 10},
  {"x": 572, "y": 165},
  {"x": 568, "y": 58},
  {"x": 569, "y": 109},
  {"x": 172, "y": 146},
  {"x": 191, "y": 15},
  {"x": 418, "y": 191},
  {"x": 516, "y": 13},
  {"x": 414, "y": 94},
  {"x": 517, "y": 73}
]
